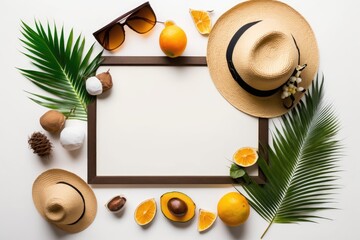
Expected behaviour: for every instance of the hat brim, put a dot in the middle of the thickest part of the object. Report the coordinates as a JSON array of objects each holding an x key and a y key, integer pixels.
[
  {"x": 221, "y": 34},
  {"x": 53, "y": 176}
]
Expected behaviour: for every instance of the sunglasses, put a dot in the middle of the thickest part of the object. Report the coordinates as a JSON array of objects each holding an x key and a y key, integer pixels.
[{"x": 141, "y": 19}]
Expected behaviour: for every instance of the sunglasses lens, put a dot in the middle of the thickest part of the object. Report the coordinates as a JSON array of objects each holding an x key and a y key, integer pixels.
[
  {"x": 143, "y": 20},
  {"x": 112, "y": 37}
]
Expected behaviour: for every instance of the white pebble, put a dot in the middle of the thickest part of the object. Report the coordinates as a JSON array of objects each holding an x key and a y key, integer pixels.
[
  {"x": 72, "y": 138},
  {"x": 93, "y": 86}
]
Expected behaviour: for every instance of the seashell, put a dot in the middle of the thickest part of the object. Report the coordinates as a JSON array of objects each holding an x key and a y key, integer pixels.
[{"x": 116, "y": 204}]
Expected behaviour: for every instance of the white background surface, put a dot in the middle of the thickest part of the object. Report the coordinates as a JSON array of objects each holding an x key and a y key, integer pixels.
[{"x": 335, "y": 25}]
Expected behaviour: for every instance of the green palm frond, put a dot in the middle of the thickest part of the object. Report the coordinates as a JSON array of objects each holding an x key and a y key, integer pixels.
[
  {"x": 303, "y": 164},
  {"x": 62, "y": 69}
]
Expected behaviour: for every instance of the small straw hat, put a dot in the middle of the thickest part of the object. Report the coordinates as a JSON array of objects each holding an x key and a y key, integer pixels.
[
  {"x": 64, "y": 200},
  {"x": 262, "y": 55}
]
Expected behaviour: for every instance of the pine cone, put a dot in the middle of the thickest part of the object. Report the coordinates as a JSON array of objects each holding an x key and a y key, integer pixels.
[{"x": 40, "y": 144}]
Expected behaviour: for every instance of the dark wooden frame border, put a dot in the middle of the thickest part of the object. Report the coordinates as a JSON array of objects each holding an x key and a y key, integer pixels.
[{"x": 93, "y": 178}]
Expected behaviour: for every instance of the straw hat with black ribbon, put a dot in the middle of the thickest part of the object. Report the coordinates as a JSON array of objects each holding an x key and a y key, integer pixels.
[
  {"x": 65, "y": 200},
  {"x": 262, "y": 56}
]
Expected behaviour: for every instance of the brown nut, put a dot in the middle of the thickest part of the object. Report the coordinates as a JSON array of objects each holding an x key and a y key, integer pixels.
[
  {"x": 116, "y": 204},
  {"x": 106, "y": 80},
  {"x": 52, "y": 121},
  {"x": 177, "y": 207}
]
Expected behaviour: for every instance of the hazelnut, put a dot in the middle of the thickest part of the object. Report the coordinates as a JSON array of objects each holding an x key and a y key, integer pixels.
[
  {"x": 116, "y": 204},
  {"x": 52, "y": 121}
]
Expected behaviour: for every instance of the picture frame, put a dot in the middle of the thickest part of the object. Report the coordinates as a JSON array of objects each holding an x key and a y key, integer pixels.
[{"x": 130, "y": 66}]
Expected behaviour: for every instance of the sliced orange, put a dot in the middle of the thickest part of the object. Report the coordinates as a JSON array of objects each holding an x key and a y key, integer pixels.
[
  {"x": 201, "y": 20},
  {"x": 245, "y": 157},
  {"x": 206, "y": 219},
  {"x": 145, "y": 212}
]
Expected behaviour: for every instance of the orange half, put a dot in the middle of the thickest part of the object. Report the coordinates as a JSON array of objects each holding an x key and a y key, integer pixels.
[
  {"x": 145, "y": 212},
  {"x": 201, "y": 20},
  {"x": 245, "y": 157}
]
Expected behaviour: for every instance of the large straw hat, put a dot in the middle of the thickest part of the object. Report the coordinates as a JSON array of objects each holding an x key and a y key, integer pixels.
[
  {"x": 254, "y": 49},
  {"x": 64, "y": 200}
]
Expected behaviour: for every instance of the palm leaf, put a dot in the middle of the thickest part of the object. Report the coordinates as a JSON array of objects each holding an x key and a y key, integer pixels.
[
  {"x": 303, "y": 164},
  {"x": 62, "y": 68}
]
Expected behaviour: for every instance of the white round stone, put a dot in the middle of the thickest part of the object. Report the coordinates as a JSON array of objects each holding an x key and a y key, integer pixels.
[
  {"x": 72, "y": 138},
  {"x": 93, "y": 86}
]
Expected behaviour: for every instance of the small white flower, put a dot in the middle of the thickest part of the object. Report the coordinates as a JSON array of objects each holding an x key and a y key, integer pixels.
[
  {"x": 285, "y": 95},
  {"x": 290, "y": 88}
]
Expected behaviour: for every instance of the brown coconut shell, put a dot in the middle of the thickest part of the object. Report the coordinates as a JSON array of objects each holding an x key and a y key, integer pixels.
[
  {"x": 106, "y": 80},
  {"x": 52, "y": 121}
]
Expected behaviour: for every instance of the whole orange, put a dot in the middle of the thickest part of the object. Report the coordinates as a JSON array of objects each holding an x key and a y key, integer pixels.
[
  {"x": 233, "y": 209},
  {"x": 172, "y": 40}
]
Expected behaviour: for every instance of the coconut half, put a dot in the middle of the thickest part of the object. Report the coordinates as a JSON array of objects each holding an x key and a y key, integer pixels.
[
  {"x": 94, "y": 86},
  {"x": 72, "y": 138}
]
